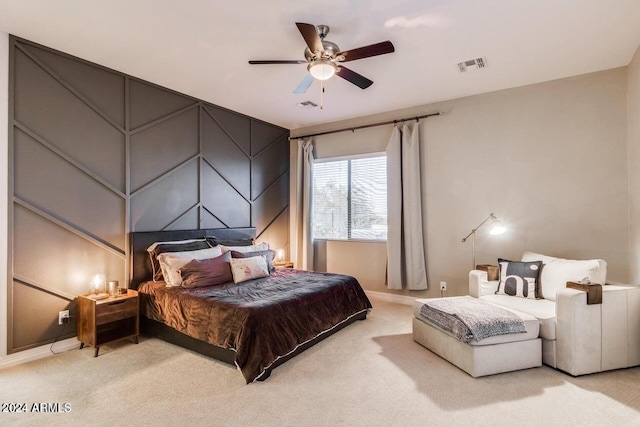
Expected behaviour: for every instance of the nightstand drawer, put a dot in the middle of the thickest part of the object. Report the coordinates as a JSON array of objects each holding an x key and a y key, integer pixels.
[{"x": 116, "y": 310}]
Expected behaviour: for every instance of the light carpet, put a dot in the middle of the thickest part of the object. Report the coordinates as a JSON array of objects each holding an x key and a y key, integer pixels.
[{"x": 371, "y": 373}]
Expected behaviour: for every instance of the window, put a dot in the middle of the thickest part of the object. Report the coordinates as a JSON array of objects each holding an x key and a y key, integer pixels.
[{"x": 350, "y": 199}]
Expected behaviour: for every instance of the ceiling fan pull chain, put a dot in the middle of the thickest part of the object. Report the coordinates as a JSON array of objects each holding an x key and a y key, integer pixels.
[{"x": 321, "y": 93}]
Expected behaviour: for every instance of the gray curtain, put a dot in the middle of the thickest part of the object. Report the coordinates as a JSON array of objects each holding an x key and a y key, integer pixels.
[
  {"x": 406, "y": 258},
  {"x": 303, "y": 189}
]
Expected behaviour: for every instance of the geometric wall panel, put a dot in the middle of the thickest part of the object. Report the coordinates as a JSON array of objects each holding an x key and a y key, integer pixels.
[
  {"x": 223, "y": 201},
  {"x": 269, "y": 165},
  {"x": 72, "y": 196},
  {"x": 226, "y": 157},
  {"x": 263, "y": 135},
  {"x": 103, "y": 88},
  {"x": 188, "y": 221},
  {"x": 156, "y": 150},
  {"x": 277, "y": 232},
  {"x": 55, "y": 113},
  {"x": 207, "y": 220},
  {"x": 158, "y": 206},
  {"x": 238, "y": 127},
  {"x": 63, "y": 262},
  {"x": 29, "y": 304},
  {"x": 150, "y": 102},
  {"x": 271, "y": 203},
  {"x": 98, "y": 154}
]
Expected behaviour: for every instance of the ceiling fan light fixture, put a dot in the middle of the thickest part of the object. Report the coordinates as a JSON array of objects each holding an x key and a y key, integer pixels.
[
  {"x": 324, "y": 58},
  {"x": 322, "y": 69}
]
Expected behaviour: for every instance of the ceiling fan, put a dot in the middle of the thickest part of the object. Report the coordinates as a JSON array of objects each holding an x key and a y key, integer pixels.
[{"x": 324, "y": 58}]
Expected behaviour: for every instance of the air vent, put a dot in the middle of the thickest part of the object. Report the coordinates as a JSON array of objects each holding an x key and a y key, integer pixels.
[
  {"x": 472, "y": 64},
  {"x": 307, "y": 104}
]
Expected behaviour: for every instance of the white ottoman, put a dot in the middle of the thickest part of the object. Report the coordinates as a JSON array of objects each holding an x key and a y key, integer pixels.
[{"x": 493, "y": 355}]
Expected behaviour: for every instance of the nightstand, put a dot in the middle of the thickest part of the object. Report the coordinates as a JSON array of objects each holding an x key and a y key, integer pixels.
[
  {"x": 107, "y": 320},
  {"x": 283, "y": 265}
]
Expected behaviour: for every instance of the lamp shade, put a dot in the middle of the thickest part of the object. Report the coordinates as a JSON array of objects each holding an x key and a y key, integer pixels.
[
  {"x": 497, "y": 227},
  {"x": 322, "y": 69}
]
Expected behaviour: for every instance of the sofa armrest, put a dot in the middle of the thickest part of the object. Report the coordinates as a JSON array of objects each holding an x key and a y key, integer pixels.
[
  {"x": 578, "y": 333},
  {"x": 598, "y": 337},
  {"x": 479, "y": 285}
]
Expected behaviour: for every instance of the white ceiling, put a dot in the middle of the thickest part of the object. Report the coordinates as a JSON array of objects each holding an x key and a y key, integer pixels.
[{"x": 201, "y": 47}]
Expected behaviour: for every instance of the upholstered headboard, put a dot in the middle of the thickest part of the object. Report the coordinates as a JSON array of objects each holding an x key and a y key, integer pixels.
[{"x": 139, "y": 263}]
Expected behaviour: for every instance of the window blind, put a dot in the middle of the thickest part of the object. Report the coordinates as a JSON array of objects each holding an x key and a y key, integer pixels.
[{"x": 350, "y": 199}]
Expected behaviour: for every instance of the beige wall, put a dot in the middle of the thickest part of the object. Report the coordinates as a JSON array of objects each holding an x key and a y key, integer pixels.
[
  {"x": 549, "y": 159},
  {"x": 633, "y": 137},
  {"x": 367, "y": 261}
]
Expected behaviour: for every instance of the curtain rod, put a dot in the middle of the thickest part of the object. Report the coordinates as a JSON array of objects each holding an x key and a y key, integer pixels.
[{"x": 352, "y": 129}]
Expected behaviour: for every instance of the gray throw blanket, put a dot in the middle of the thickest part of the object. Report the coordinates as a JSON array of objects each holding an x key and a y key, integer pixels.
[{"x": 467, "y": 318}]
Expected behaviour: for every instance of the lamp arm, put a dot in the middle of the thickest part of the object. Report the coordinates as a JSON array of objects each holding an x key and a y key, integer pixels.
[{"x": 491, "y": 216}]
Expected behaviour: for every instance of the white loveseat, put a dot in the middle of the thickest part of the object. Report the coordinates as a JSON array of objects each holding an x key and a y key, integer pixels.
[{"x": 576, "y": 338}]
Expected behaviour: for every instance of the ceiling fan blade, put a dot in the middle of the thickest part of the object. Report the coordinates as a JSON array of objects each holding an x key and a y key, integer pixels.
[
  {"x": 277, "y": 62},
  {"x": 304, "y": 84},
  {"x": 357, "y": 79},
  {"x": 381, "y": 48},
  {"x": 311, "y": 37}
]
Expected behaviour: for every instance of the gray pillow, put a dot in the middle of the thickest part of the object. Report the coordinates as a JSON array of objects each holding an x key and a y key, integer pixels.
[
  {"x": 214, "y": 241},
  {"x": 519, "y": 279}
]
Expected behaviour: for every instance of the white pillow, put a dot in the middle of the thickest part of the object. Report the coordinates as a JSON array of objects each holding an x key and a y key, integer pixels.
[
  {"x": 172, "y": 262},
  {"x": 532, "y": 256},
  {"x": 556, "y": 272},
  {"x": 244, "y": 249},
  {"x": 244, "y": 269}
]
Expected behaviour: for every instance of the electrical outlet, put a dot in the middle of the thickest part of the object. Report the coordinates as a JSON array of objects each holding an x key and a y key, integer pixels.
[
  {"x": 443, "y": 286},
  {"x": 63, "y": 317}
]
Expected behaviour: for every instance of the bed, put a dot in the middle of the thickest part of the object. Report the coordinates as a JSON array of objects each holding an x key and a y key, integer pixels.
[{"x": 255, "y": 325}]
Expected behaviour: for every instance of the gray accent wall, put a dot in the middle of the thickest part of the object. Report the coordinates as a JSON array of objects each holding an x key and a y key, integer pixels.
[{"x": 96, "y": 154}]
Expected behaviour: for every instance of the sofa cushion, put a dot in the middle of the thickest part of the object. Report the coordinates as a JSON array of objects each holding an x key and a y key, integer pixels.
[
  {"x": 519, "y": 279},
  {"x": 556, "y": 272},
  {"x": 531, "y": 324},
  {"x": 543, "y": 310},
  {"x": 533, "y": 256}
]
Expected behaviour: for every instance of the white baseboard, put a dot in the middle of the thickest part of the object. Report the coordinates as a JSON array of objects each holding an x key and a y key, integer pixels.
[
  {"x": 38, "y": 353},
  {"x": 398, "y": 299}
]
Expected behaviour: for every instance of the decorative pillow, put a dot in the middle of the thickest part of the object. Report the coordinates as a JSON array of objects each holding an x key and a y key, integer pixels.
[
  {"x": 171, "y": 262},
  {"x": 207, "y": 272},
  {"x": 244, "y": 249},
  {"x": 158, "y": 248},
  {"x": 556, "y": 272},
  {"x": 214, "y": 241},
  {"x": 268, "y": 254},
  {"x": 519, "y": 279},
  {"x": 244, "y": 269}
]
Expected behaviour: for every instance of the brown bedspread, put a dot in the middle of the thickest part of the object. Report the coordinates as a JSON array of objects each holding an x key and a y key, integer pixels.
[{"x": 260, "y": 319}]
